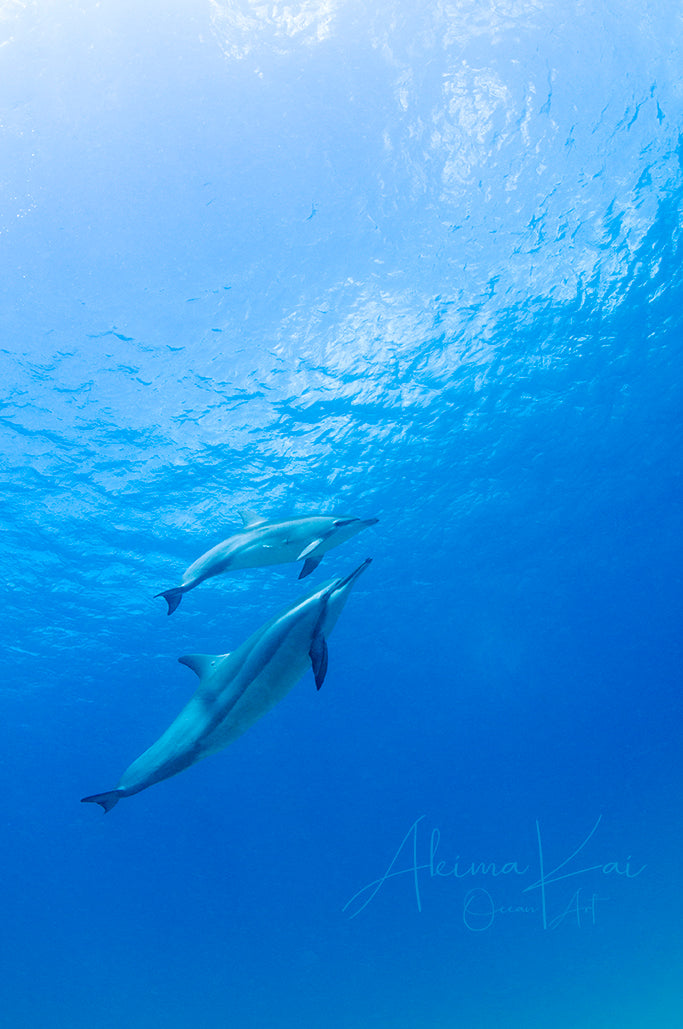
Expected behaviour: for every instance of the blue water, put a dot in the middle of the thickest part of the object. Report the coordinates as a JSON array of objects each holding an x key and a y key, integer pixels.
[{"x": 413, "y": 261}]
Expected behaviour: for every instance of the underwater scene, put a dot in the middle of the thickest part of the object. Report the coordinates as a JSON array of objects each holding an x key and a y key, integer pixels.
[{"x": 341, "y": 465}]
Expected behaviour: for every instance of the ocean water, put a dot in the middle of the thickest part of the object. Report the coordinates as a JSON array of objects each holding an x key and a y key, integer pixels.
[{"x": 420, "y": 262}]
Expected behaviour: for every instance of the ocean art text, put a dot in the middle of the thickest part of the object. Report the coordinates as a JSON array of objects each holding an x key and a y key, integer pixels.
[{"x": 565, "y": 891}]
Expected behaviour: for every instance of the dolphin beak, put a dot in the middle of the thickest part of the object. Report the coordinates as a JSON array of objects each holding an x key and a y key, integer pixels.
[
  {"x": 350, "y": 579},
  {"x": 370, "y": 521}
]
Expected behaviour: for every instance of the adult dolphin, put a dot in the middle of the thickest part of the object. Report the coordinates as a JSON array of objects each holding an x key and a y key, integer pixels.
[
  {"x": 268, "y": 543},
  {"x": 236, "y": 689}
]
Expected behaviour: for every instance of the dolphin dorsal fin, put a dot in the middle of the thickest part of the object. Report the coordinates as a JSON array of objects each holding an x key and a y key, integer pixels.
[
  {"x": 200, "y": 664},
  {"x": 250, "y": 518}
]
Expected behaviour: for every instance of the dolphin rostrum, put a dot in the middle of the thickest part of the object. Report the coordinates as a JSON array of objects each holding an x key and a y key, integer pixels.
[
  {"x": 268, "y": 543},
  {"x": 236, "y": 689}
]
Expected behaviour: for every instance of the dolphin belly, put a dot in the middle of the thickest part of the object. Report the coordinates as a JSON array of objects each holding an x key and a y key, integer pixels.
[{"x": 271, "y": 685}]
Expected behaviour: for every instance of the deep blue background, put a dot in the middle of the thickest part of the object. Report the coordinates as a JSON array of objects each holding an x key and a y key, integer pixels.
[{"x": 349, "y": 257}]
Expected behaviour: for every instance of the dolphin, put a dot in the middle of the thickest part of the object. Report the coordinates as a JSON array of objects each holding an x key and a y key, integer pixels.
[
  {"x": 268, "y": 543},
  {"x": 236, "y": 689}
]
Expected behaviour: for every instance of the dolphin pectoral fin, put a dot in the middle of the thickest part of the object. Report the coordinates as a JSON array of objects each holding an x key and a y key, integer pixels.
[
  {"x": 250, "y": 518},
  {"x": 309, "y": 549},
  {"x": 105, "y": 800},
  {"x": 318, "y": 656},
  {"x": 200, "y": 663},
  {"x": 310, "y": 565},
  {"x": 172, "y": 598}
]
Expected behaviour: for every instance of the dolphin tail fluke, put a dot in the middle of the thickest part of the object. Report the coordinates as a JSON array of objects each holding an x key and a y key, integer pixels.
[
  {"x": 105, "y": 800},
  {"x": 172, "y": 598},
  {"x": 310, "y": 565}
]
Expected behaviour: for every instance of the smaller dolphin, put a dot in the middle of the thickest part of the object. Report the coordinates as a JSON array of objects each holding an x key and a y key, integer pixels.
[
  {"x": 236, "y": 689},
  {"x": 268, "y": 543}
]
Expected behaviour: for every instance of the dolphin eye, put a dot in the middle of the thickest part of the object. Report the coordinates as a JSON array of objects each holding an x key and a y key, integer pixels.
[{"x": 344, "y": 521}]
